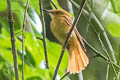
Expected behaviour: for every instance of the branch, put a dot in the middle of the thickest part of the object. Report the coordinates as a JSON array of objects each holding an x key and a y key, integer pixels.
[
  {"x": 39, "y": 38},
  {"x": 106, "y": 38},
  {"x": 24, "y": 21},
  {"x": 64, "y": 75},
  {"x": 84, "y": 12},
  {"x": 108, "y": 56},
  {"x": 104, "y": 35},
  {"x": 67, "y": 39},
  {"x": 107, "y": 73},
  {"x": 53, "y": 4},
  {"x": 44, "y": 32},
  {"x": 98, "y": 53},
  {"x": 10, "y": 20}
]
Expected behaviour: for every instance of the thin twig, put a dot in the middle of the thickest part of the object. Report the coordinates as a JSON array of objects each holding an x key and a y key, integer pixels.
[
  {"x": 75, "y": 4},
  {"x": 44, "y": 32},
  {"x": 84, "y": 12},
  {"x": 64, "y": 75},
  {"x": 10, "y": 77},
  {"x": 53, "y": 4},
  {"x": 107, "y": 73},
  {"x": 98, "y": 53},
  {"x": 108, "y": 56},
  {"x": 119, "y": 53},
  {"x": 19, "y": 32},
  {"x": 39, "y": 38},
  {"x": 67, "y": 39},
  {"x": 24, "y": 22},
  {"x": 10, "y": 20},
  {"x": 105, "y": 36}
]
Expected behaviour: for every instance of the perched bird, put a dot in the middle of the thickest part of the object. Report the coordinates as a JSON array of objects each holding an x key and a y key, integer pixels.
[{"x": 60, "y": 25}]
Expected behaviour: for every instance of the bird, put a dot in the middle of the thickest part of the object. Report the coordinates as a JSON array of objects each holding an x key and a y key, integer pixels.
[{"x": 60, "y": 25}]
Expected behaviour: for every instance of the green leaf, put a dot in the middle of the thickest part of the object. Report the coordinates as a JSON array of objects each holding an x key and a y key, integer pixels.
[
  {"x": 114, "y": 29},
  {"x": 18, "y": 15},
  {"x": 118, "y": 5},
  {"x": 3, "y": 5}
]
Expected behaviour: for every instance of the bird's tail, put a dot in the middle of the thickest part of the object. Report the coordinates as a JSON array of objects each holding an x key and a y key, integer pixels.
[{"x": 77, "y": 59}]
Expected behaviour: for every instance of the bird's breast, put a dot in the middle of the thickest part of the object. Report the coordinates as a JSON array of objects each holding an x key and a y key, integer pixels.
[{"x": 60, "y": 29}]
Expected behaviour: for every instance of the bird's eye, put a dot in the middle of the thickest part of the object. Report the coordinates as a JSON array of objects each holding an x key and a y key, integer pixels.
[{"x": 56, "y": 12}]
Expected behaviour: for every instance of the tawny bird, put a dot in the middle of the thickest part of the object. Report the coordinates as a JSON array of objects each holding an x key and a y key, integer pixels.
[{"x": 60, "y": 25}]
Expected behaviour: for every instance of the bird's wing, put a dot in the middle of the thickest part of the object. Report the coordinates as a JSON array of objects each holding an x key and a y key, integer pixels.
[{"x": 69, "y": 21}]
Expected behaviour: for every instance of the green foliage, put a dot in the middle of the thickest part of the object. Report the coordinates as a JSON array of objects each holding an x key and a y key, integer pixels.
[
  {"x": 34, "y": 50},
  {"x": 4, "y": 5},
  {"x": 114, "y": 29}
]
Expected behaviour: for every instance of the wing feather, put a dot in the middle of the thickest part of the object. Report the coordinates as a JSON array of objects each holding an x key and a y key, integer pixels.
[{"x": 70, "y": 22}]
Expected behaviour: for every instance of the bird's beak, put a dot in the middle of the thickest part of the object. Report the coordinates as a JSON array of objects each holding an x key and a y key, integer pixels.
[
  {"x": 45, "y": 10},
  {"x": 49, "y": 12}
]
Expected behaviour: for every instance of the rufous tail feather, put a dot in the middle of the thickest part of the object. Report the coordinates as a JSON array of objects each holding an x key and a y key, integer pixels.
[{"x": 77, "y": 59}]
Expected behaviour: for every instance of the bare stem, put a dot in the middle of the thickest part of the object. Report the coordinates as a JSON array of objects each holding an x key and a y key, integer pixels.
[
  {"x": 64, "y": 75},
  {"x": 10, "y": 20},
  {"x": 24, "y": 21},
  {"x": 44, "y": 32},
  {"x": 67, "y": 39},
  {"x": 108, "y": 56},
  {"x": 84, "y": 12},
  {"x": 53, "y": 4},
  {"x": 107, "y": 73},
  {"x": 98, "y": 53},
  {"x": 101, "y": 27}
]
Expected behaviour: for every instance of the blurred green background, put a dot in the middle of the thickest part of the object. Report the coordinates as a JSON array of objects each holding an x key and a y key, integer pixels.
[{"x": 105, "y": 13}]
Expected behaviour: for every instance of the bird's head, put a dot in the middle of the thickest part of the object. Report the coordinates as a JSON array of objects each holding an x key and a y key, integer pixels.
[{"x": 57, "y": 13}]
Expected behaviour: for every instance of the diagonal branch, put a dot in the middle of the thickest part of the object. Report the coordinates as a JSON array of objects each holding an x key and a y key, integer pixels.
[
  {"x": 84, "y": 12},
  {"x": 101, "y": 27},
  {"x": 64, "y": 75},
  {"x": 98, "y": 53},
  {"x": 67, "y": 39},
  {"x": 107, "y": 73},
  {"x": 24, "y": 22},
  {"x": 53, "y": 4},
  {"x": 108, "y": 56},
  {"x": 44, "y": 32},
  {"x": 10, "y": 20}
]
